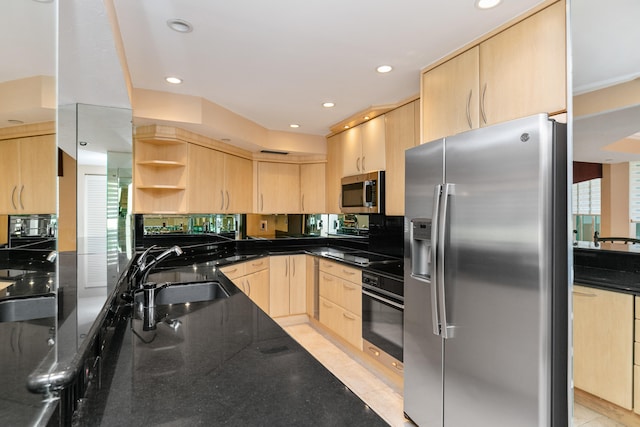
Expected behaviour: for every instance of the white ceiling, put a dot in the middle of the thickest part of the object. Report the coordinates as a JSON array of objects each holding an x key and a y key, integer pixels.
[{"x": 275, "y": 62}]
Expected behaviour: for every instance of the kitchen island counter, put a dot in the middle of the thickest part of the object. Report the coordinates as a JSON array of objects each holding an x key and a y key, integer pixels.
[{"x": 224, "y": 362}]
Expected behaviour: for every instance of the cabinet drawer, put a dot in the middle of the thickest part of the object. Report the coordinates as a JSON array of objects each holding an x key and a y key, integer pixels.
[
  {"x": 350, "y": 274},
  {"x": 234, "y": 271},
  {"x": 256, "y": 265},
  {"x": 636, "y": 389},
  {"x": 346, "y": 294},
  {"x": 637, "y": 330},
  {"x": 637, "y": 310},
  {"x": 344, "y": 323},
  {"x": 382, "y": 357},
  {"x": 636, "y": 353}
]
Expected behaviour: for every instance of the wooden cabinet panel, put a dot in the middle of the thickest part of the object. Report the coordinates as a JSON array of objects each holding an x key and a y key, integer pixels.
[
  {"x": 523, "y": 69},
  {"x": 373, "y": 141},
  {"x": 10, "y": 182},
  {"x": 256, "y": 265},
  {"x": 400, "y": 131},
  {"x": 450, "y": 97},
  {"x": 312, "y": 188},
  {"x": 342, "y": 271},
  {"x": 238, "y": 184},
  {"x": 233, "y": 271},
  {"x": 363, "y": 147},
  {"x": 334, "y": 173},
  {"x": 297, "y": 284},
  {"x": 310, "y": 283},
  {"x": 258, "y": 288},
  {"x": 278, "y": 188},
  {"x": 205, "y": 180},
  {"x": 29, "y": 175},
  {"x": 603, "y": 344},
  {"x": 287, "y": 281},
  {"x": 352, "y": 151}
]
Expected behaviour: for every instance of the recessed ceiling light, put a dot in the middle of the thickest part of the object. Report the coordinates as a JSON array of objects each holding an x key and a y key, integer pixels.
[
  {"x": 384, "y": 68},
  {"x": 487, "y": 4},
  {"x": 180, "y": 25},
  {"x": 366, "y": 117},
  {"x": 294, "y": 125},
  {"x": 173, "y": 80},
  {"x": 328, "y": 105},
  {"x": 83, "y": 143},
  {"x": 346, "y": 126},
  {"x": 43, "y": 1}
]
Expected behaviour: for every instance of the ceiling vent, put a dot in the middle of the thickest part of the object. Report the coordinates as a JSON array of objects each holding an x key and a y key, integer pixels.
[{"x": 282, "y": 153}]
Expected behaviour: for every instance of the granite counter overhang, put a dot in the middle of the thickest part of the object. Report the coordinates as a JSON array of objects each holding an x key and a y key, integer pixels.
[
  {"x": 227, "y": 364},
  {"x": 613, "y": 267}
]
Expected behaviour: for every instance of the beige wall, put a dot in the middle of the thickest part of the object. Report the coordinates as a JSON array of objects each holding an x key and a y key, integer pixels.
[{"x": 615, "y": 201}]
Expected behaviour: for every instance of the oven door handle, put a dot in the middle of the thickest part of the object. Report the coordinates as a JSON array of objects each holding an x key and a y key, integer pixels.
[{"x": 385, "y": 300}]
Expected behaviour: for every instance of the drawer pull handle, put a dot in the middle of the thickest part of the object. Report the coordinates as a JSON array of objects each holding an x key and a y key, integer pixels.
[
  {"x": 232, "y": 271},
  {"x": 327, "y": 305},
  {"x": 398, "y": 366},
  {"x": 374, "y": 351},
  {"x": 328, "y": 279},
  {"x": 350, "y": 273},
  {"x": 348, "y": 317},
  {"x": 347, "y": 287},
  {"x": 584, "y": 294},
  {"x": 257, "y": 264}
]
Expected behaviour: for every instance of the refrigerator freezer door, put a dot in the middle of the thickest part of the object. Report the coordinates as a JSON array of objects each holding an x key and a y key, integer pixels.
[
  {"x": 497, "y": 278},
  {"x": 422, "y": 348}
]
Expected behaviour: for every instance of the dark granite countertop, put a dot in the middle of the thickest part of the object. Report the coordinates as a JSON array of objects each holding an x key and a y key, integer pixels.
[
  {"x": 227, "y": 363},
  {"x": 608, "y": 266}
]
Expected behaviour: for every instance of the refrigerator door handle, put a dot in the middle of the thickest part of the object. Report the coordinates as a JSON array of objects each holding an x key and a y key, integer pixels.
[
  {"x": 447, "y": 190},
  {"x": 435, "y": 268}
]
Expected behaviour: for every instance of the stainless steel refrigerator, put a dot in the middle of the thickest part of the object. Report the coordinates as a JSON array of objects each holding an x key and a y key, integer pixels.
[{"x": 486, "y": 277}]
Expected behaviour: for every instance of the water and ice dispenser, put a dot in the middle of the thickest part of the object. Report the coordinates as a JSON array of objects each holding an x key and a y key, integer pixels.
[{"x": 421, "y": 248}]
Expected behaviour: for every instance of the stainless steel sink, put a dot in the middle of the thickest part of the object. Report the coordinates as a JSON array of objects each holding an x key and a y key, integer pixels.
[
  {"x": 181, "y": 293},
  {"x": 19, "y": 309}
]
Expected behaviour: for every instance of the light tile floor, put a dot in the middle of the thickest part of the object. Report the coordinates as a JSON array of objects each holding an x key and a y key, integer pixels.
[{"x": 381, "y": 395}]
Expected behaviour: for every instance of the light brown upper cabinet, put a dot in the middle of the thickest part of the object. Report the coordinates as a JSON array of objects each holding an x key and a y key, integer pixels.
[
  {"x": 363, "y": 147},
  {"x": 450, "y": 97},
  {"x": 218, "y": 182},
  {"x": 205, "y": 183},
  {"x": 518, "y": 72},
  {"x": 28, "y": 183},
  {"x": 333, "y": 173},
  {"x": 402, "y": 128},
  {"x": 523, "y": 69},
  {"x": 312, "y": 188},
  {"x": 278, "y": 188}
]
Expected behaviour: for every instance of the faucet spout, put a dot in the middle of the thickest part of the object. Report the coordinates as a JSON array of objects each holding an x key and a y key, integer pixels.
[{"x": 146, "y": 262}]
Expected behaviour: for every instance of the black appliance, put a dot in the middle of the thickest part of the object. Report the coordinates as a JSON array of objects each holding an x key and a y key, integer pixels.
[{"x": 383, "y": 308}]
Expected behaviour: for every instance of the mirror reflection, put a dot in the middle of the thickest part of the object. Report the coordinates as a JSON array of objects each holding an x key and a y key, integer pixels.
[
  {"x": 28, "y": 201},
  {"x": 606, "y": 121}
]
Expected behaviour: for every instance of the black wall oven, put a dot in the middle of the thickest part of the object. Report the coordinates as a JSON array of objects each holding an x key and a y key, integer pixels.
[{"x": 383, "y": 312}]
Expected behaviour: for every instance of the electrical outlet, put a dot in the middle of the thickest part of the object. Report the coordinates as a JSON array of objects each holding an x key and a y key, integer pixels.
[{"x": 263, "y": 225}]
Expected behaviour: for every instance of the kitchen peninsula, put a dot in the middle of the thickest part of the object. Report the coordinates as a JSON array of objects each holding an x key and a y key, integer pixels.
[{"x": 223, "y": 361}]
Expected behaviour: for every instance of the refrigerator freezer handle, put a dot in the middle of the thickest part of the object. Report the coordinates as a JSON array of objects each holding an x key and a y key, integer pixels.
[
  {"x": 435, "y": 268},
  {"x": 448, "y": 190}
]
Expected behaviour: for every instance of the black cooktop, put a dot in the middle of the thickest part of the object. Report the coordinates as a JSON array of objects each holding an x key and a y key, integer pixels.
[{"x": 393, "y": 267}]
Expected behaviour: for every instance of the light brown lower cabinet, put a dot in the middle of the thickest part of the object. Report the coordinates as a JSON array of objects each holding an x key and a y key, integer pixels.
[
  {"x": 603, "y": 339},
  {"x": 287, "y": 285},
  {"x": 252, "y": 277}
]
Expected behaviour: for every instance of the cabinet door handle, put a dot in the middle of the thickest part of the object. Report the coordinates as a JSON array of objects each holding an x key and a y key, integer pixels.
[
  {"x": 348, "y": 316},
  {"x": 363, "y": 166},
  {"x": 286, "y": 267},
  {"x": 221, "y": 200},
  {"x": 303, "y": 203},
  {"x": 293, "y": 267},
  {"x": 358, "y": 164},
  {"x": 227, "y": 193},
  {"x": 326, "y": 278},
  {"x": 584, "y": 294},
  {"x": 469, "y": 110},
  {"x": 20, "y": 197},
  {"x": 13, "y": 198},
  {"x": 249, "y": 286},
  {"x": 261, "y": 202},
  {"x": 484, "y": 115}
]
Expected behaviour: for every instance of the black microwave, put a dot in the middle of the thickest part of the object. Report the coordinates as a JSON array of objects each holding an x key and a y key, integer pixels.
[{"x": 363, "y": 193}]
